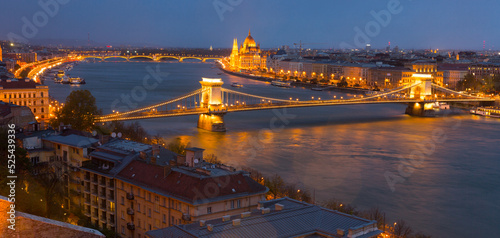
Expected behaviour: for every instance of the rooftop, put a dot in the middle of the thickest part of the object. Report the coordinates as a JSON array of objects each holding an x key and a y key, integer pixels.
[
  {"x": 292, "y": 219},
  {"x": 187, "y": 185},
  {"x": 72, "y": 140},
  {"x": 14, "y": 83}
]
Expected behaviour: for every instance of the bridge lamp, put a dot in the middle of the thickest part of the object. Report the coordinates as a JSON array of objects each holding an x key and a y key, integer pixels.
[
  {"x": 290, "y": 98},
  {"x": 297, "y": 100},
  {"x": 319, "y": 98},
  {"x": 312, "y": 98},
  {"x": 231, "y": 105},
  {"x": 341, "y": 97},
  {"x": 334, "y": 96}
]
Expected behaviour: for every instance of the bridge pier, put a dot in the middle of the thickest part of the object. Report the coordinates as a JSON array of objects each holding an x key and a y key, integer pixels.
[
  {"x": 212, "y": 122},
  {"x": 420, "y": 109}
]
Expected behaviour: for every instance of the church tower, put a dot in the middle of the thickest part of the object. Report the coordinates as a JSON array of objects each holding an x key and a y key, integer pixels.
[{"x": 234, "y": 54}]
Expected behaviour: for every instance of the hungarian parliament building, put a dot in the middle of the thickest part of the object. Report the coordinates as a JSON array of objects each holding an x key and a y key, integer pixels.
[{"x": 248, "y": 56}]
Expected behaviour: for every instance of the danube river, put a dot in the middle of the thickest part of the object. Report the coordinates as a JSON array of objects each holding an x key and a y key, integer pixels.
[{"x": 451, "y": 166}]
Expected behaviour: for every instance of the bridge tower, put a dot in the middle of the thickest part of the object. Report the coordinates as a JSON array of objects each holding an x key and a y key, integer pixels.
[
  {"x": 423, "y": 92},
  {"x": 211, "y": 99}
]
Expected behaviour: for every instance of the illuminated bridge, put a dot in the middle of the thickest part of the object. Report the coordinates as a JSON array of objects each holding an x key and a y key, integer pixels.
[
  {"x": 212, "y": 102},
  {"x": 153, "y": 57}
]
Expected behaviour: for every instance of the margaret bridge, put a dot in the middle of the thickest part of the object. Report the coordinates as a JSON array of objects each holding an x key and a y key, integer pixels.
[
  {"x": 212, "y": 102},
  {"x": 153, "y": 57}
]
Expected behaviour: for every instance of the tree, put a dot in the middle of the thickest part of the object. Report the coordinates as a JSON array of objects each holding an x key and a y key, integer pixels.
[
  {"x": 401, "y": 229},
  {"x": 343, "y": 83},
  {"x": 178, "y": 146},
  {"x": 79, "y": 111},
  {"x": 212, "y": 158},
  {"x": 275, "y": 185},
  {"x": 469, "y": 83}
]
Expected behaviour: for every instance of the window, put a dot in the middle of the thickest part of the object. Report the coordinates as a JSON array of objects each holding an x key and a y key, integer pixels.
[
  {"x": 164, "y": 218},
  {"x": 34, "y": 110},
  {"x": 164, "y": 201},
  {"x": 149, "y": 212},
  {"x": 41, "y": 94},
  {"x": 157, "y": 223},
  {"x": 238, "y": 203},
  {"x": 139, "y": 222},
  {"x": 123, "y": 215},
  {"x": 149, "y": 197},
  {"x": 123, "y": 229},
  {"x": 123, "y": 200},
  {"x": 232, "y": 204},
  {"x": 138, "y": 207},
  {"x": 149, "y": 226},
  {"x": 209, "y": 210}
]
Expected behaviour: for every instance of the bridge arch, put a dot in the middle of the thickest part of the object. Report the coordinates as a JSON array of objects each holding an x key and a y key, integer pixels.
[
  {"x": 191, "y": 57},
  {"x": 167, "y": 57},
  {"x": 141, "y": 56},
  {"x": 114, "y": 56}
]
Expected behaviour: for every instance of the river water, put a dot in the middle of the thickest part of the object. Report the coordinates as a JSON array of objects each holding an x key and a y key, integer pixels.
[{"x": 361, "y": 154}]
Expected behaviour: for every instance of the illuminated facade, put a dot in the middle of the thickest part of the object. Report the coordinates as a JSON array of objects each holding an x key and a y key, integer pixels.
[
  {"x": 27, "y": 93},
  {"x": 0, "y": 53},
  {"x": 248, "y": 56}
]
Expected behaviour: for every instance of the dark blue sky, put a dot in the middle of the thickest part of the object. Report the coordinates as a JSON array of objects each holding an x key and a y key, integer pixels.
[{"x": 459, "y": 24}]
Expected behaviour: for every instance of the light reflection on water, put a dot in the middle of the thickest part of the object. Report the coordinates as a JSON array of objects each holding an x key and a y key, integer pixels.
[{"x": 341, "y": 152}]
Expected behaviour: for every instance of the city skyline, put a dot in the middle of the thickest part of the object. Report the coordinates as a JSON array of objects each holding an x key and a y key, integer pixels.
[{"x": 404, "y": 23}]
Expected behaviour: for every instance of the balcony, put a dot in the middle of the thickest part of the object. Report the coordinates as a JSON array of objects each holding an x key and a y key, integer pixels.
[
  {"x": 94, "y": 203},
  {"x": 130, "y": 211},
  {"x": 111, "y": 197},
  {"x": 111, "y": 221},
  {"x": 130, "y": 196},
  {"x": 131, "y": 226}
]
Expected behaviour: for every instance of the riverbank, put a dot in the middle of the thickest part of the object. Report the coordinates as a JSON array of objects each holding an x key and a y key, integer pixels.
[{"x": 299, "y": 84}]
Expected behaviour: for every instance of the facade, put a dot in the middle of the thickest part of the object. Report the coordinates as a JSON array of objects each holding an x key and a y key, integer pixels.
[
  {"x": 248, "y": 56},
  {"x": 26, "y": 93},
  {"x": 390, "y": 77},
  {"x": 283, "y": 217},
  {"x": 1, "y": 53},
  {"x": 98, "y": 177},
  {"x": 14, "y": 114},
  {"x": 427, "y": 67},
  {"x": 22, "y": 57},
  {"x": 484, "y": 69},
  {"x": 452, "y": 73},
  {"x": 152, "y": 196},
  {"x": 69, "y": 152}
]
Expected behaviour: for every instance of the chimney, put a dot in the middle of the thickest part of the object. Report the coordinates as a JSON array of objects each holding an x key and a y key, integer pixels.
[
  {"x": 143, "y": 155},
  {"x": 153, "y": 159},
  {"x": 226, "y": 218},
  {"x": 181, "y": 159},
  {"x": 245, "y": 214},
  {"x": 202, "y": 223},
  {"x": 340, "y": 232},
  {"x": 236, "y": 222},
  {"x": 166, "y": 171},
  {"x": 278, "y": 207},
  {"x": 265, "y": 210},
  {"x": 210, "y": 227},
  {"x": 156, "y": 150}
]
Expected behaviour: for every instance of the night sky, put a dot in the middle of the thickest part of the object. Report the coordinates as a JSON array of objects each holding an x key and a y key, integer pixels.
[{"x": 446, "y": 24}]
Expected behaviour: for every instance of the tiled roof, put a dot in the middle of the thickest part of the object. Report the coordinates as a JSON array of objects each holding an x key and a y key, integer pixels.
[
  {"x": 192, "y": 189},
  {"x": 297, "y": 219},
  {"x": 18, "y": 84}
]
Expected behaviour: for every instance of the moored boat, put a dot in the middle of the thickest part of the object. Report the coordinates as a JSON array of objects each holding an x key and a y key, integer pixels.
[
  {"x": 279, "y": 83},
  {"x": 486, "y": 111}
]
